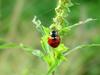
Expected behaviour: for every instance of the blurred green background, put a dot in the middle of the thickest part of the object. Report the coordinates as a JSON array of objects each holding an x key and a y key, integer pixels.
[{"x": 16, "y": 26}]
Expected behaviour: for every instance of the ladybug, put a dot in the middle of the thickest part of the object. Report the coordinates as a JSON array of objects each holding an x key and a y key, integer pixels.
[{"x": 54, "y": 39}]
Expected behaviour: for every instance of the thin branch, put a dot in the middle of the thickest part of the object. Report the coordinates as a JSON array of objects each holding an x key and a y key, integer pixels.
[
  {"x": 81, "y": 22},
  {"x": 36, "y": 22},
  {"x": 79, "y": 47}
]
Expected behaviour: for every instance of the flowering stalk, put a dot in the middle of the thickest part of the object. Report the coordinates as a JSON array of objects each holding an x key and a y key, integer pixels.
[
  {"x": 62, "y": 10},
  {"x": 54, "y": 56}
]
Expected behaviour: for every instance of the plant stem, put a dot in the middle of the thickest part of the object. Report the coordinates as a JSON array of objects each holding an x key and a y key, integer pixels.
[
  {"x": 53, "y": 73},
  {"x": 81, "y": 46}
]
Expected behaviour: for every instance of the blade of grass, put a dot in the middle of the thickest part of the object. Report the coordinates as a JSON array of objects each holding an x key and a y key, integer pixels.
[
  {"x": 10, "y": 45},
  {"x": 81, "y": 22},
  {"x": 79, "y": 47}
]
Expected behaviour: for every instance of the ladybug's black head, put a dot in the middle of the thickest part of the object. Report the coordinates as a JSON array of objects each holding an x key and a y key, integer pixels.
[{"x": 53, "y": 33}]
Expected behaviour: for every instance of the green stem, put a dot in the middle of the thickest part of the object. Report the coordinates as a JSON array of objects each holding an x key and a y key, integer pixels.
[
  {"x": 81, "y": 46},
  {"x": 61, "y": 11}
]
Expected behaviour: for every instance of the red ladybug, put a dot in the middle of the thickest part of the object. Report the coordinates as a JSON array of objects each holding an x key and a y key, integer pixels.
[{"x": 54, "y": 39}]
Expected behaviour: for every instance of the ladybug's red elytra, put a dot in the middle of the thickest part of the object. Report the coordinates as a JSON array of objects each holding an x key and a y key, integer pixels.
[{"x": 54, "y": 39}]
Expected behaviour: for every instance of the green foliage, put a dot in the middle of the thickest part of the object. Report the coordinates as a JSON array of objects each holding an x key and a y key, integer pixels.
[
  {"x": 53, "y": 56},
  {"x": 8, "y": 45}
]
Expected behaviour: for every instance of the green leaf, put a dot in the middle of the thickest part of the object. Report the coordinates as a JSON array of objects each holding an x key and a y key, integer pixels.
[
  {"x": 58, "y": 58},
  {"x": 54, "y": 66},
  {"x": 9, "y": 45},
  {"x": 44, "y": 40},
  {"x": 79, "y": 47},
  {"x": 61, "y": 48},
  {"x": 81, "y": 22},
  {"x": 46, "y": 30},
  {"x": 38, "y": 25},
  {"x": 28, "y": 49},
  {"x": 38, "y": 53},
  {"x": 63, "y": 31},
  {"x": 44, "y": 44}
]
